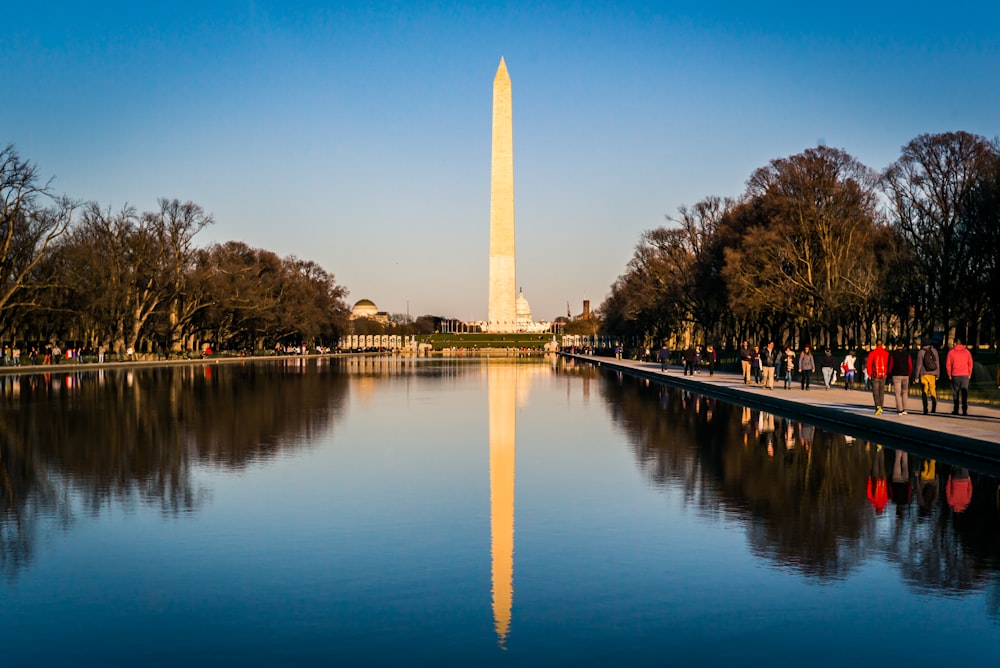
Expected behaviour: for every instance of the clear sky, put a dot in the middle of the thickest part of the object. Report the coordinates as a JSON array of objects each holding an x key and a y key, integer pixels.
[{"x": 357, "y": 135}]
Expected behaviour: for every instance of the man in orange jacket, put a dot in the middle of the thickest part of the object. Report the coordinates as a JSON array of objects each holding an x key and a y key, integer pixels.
[
  {"x": 959, "y": 366},
  {"x": 878, "y": 367}
]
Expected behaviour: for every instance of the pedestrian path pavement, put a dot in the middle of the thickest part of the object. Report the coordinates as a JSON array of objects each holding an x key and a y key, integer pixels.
[{"x": 851, "y": 411}]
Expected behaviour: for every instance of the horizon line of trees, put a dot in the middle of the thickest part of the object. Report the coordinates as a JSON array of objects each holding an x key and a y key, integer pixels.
[
  {"x": 77, "y": 273},
  {"x": 821, "y": 248}
]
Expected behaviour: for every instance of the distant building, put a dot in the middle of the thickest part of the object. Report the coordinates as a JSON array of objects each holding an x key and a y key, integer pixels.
[
  {"x": 365, "y": 308},
  {"x": 587, "y": 313}
]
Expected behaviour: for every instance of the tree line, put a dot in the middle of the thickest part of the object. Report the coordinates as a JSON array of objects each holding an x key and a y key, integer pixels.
[
  {"x": 821, "y": 248},
  {"x": 89, "y": 276}
]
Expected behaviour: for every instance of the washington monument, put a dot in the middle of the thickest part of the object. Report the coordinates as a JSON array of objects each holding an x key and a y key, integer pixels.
[{"x": 502, "y": 313}]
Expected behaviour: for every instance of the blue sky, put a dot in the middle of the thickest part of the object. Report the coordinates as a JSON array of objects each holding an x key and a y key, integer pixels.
[{"x": 357, "y": 135}]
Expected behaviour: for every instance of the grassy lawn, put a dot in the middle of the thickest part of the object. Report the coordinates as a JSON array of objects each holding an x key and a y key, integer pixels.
[{"x": 477, "y": 340}]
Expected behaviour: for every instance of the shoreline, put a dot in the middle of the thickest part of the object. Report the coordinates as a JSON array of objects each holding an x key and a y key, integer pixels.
[
  {"x": 35, "y": 369},
  {"x": 976, "y": 436}
]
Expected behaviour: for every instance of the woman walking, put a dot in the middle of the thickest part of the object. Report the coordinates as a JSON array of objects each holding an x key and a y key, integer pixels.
[
  {"x": 806, "y": 366},
  {"x": 789, "y": 366},
  {"x": 847, "y": 366}
]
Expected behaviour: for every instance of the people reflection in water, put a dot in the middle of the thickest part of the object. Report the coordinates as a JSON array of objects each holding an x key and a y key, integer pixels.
[
  {"x": 958, "y": 491},
  {"x": 789, "y": 435},
  {"x": 878, "y": 493},
  {"x": 901, "y": 489},
  {"x": 928, "y": 487},
  {"x": 807, "y": 433},
  {"x": 745, "y": 418},
  {"x": 765, "y": 423}
]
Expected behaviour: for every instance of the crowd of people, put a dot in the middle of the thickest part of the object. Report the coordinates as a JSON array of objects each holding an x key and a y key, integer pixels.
[{"x": 880, "y": 369}]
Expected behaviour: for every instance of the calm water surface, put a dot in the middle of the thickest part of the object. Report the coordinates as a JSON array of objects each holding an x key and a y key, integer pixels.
[{"x": 470, "y": 512}]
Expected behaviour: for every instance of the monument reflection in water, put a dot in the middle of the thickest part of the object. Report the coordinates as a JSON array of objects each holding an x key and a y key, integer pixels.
[{"x": 502, "y": 388}]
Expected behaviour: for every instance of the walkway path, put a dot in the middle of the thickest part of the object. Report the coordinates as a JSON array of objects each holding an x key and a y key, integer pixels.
[{"x": 849, "y": 411}]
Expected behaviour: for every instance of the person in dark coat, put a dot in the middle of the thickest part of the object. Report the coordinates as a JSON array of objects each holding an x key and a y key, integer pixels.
[
  {"x": 927, "y": 373},
  {"x": 900, "y": 370},
  {"x": 745, "y": 358},
  {"x": 770, "y": 358},
  {"x": 828, "y": 367},
  {"x": 664, "y": 358},
  {"x": 690, "y": 360}
]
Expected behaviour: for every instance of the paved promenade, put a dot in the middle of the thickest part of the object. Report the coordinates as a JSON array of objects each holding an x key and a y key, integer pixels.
[{"x": 853, "y": 412}]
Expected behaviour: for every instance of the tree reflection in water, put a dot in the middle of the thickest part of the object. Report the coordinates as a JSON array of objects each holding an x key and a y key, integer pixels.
[
  {"x": 89, "y": 439},
  {"x": 800, "y": 492}
]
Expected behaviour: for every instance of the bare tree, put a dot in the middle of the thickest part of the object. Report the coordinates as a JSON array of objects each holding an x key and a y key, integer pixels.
[
  {"x": 981, "y": 224},
  {"x": 28, "y": 230},
  {"x": 936, "y": 176},
  {"x": 174, "y": 227},
  {"x": 812, "y": 252},
  {"x": 674, "y": 278}
]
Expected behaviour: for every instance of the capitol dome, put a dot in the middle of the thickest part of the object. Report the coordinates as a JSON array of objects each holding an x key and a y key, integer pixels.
[{"x": 522, "y": 308}]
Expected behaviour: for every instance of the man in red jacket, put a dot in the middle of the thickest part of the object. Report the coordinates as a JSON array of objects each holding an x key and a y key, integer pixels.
[
  {"x": 878, "y": 367},
  {"x": 959, "y": 366}
]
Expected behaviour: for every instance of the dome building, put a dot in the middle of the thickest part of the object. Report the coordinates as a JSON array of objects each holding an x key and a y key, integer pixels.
[
  {"x": 365, "y": 308},
  {"x": 523, "y": 310}
]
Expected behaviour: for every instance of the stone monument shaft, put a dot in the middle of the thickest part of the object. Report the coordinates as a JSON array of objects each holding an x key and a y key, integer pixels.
[{"x": 502, "y": 310}]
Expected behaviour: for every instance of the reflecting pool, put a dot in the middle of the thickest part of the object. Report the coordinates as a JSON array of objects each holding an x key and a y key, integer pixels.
[{"x": 400, "y": 511}]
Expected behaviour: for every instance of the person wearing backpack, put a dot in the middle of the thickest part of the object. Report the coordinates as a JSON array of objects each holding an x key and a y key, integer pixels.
[
  {"x": 877, "y": 367},
  {"x": 927, "y": 373}
]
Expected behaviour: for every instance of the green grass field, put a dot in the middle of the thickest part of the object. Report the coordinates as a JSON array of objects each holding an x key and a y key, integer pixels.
[{"x": 477, "y": 340}]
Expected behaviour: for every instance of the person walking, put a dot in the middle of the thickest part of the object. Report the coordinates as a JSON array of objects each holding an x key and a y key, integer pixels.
[
  {"x": 664, "y": 358},
  {"x": 690, "y": 359},
  {"x": 900, "y": 370},
  {"x": 877, "y": 367},
  {"x": 828, "y": 367},
  {"x": 711, "y": 358},
  {"x": 789, "y": 366},
  {"x": 927, "y": 373},
  {"x": 847, "y": 366},
  {"x": 745, "y": 359},
  {"x": 770, "y": 358},
  {"x": 806, "y": 366},
  {"x": 755, "y": 364},
  {"x": 958, "y": 364}
]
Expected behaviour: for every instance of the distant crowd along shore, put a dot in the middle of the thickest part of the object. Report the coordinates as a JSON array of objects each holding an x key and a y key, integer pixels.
[
  {"x": 763, "y": 365},
  {"x": 54, "y": 354}
]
